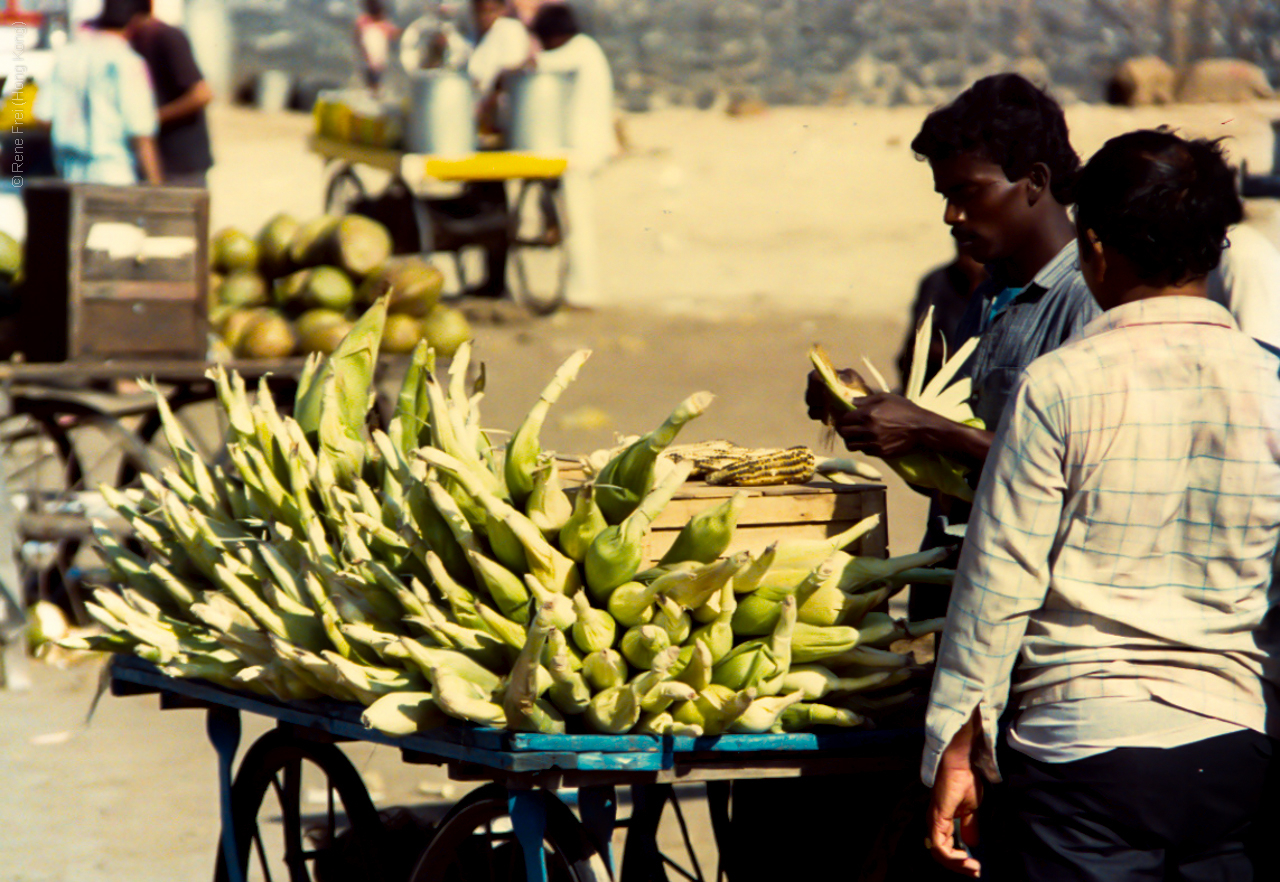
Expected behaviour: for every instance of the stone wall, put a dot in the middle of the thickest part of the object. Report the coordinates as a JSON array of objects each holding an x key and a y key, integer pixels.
[{"x": 883, "y": 52}]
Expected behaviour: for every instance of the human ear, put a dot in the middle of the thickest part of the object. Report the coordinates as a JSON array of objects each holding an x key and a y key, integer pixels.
[{"x": 1038, "y": 179}]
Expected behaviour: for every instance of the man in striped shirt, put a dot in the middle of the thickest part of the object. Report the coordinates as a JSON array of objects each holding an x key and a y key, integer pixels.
[{"x": 1116, "y": 578}]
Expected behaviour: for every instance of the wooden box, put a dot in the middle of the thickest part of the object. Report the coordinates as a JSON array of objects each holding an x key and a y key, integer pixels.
[
  {"x": 794, "y": 511},
  {"x": 114, "y": 271}
]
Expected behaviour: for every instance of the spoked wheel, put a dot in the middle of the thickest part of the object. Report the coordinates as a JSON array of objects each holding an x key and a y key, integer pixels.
[
  {"x": 539, "y": 260},
  {"x": 301, "y": 814},
  {"x": 659, "y": 847},
  {"x": 344, "y": 191},
  {"x": 475, "y": 843}
]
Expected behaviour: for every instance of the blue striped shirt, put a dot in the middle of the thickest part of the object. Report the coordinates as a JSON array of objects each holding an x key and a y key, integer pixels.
[
  {"x": 1054, "y": 307},
  {"x": 1123, "y": 531}
]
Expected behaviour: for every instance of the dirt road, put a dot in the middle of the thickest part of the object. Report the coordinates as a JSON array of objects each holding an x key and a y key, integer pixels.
[{"x": 731, "y": 245}]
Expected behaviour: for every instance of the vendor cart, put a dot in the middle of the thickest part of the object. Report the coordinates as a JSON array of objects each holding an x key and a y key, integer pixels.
[
  {"x": 437, "y": 204},
  {"x": 515, "y": 826}
]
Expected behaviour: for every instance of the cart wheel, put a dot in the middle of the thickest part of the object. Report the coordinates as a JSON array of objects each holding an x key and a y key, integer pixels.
[
  {"x": 276, "y": 837},
  {"x": 475, "y": 841},
  {"x": 539, "y": 260},
  {"x": 645, "y": 858},
  {"x": 344, "y": 191},
  {"x": 45, "y": 478}
]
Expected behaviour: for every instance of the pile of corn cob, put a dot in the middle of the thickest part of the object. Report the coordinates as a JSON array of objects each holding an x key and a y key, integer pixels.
[{"x": 430, "y": 575}]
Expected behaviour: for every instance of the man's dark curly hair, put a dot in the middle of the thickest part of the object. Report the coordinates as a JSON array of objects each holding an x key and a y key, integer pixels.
[
  {"x": 1163, "y": 202},
  {"x": 1006, "y": 120}
]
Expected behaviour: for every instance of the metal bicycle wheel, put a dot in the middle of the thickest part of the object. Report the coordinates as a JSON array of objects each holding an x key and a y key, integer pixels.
[
  {"x": 475, "y": 842},
  {"x": 344, "y": 190},
  {"x": 42, "y": 475},
  {"x": 652, "y": 856},
  {"x": 277, "y": 837},
  {"x": 538, "y": 257}
]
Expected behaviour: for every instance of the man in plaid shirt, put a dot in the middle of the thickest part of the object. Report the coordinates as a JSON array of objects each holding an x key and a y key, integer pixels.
[{"x": 1116, "y": 577}]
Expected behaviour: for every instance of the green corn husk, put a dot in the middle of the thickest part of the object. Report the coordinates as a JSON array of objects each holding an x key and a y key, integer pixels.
[
  {"x": 715, "y": 708},
  {"x": 671, "y": 618},
  {"x": 806, "y": 715},
  {"x": 717, "y": 635},
  {"x": 708, "y": 533},
  {"x": 524, "y": 449},
  {"x": 585, "y": 523},
  {"x": 403, "y": 713},
  {"x": 569, "y": 691},
  {"x": 816, "y": 681},
  {"x": 697, "y": 671},
  {"x": 520, "y": 701},
  {"x": 594, "y": 629},
  {"x": 548, "y": 506},
  {"x": 763, "y": 713},
  {"x": 627, "y": 478},
  {"x": 632, "y": 603},
  {"x": 604, "y": 669},
  {"x": 615, "y": 556},
  {"x": 614, "y": 711},
  {"x": 641, "y": 645}
]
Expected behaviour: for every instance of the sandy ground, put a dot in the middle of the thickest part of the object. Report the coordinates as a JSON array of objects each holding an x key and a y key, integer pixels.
[{"x": 731, "y": 244}]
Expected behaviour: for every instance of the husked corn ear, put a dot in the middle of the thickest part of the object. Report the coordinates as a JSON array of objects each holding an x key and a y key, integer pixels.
[
  {"x": 792, "y": 465},
  {"x": 706, "y": 456}
]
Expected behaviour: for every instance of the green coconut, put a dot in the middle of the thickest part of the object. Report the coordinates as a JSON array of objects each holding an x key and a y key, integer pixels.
[
  {"x": 445, "y": 329},
  {"x": 233, "y": 250},
  {"x": 268, "y": 335}
]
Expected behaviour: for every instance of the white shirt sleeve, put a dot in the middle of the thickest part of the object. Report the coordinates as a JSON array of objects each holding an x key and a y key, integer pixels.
[
  {"x": 1251, "y": 278},
  {"x": 139, "y": 103},
  {"x": 505, "y": 46}
]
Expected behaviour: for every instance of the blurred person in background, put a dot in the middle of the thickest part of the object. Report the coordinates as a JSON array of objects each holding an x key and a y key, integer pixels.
[
  {"x": 374, "y": 35},
  {"x": 947, "y": 290},
  {"x": 502, "y": 44},
  {"x": 181, "y": 95},
  {"x": 1247, "y": 282},
  {"x": 99, "y": 104},
  {"x": 592, "y": 138}
]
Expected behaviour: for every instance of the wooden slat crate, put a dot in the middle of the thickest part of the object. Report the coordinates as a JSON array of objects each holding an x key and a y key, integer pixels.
[
  {"x": 114, "y": 271},
  {"x": 799, "y": 511}
]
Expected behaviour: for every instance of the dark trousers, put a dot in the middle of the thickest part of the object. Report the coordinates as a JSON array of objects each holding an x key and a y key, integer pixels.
[{"x": 1190, "y": 813}]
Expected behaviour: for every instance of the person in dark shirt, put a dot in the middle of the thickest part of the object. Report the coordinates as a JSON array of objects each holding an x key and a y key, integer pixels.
[
  {"x": 181, "y": 97},
  {"x": 947, "y": 289}
]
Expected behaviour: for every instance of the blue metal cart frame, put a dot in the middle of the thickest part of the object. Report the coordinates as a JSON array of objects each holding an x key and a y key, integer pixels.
[{"x": 530, "y": 766}]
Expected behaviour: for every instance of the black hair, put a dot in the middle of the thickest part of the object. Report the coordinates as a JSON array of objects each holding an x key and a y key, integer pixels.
[
  {"x": 375, "y": 8},
  {"x": 1008, "y": 120},
  {"x": 554, "y": 20},
  {"x": 1162, "y": 202},
  {"x": 116, "y": 14}
]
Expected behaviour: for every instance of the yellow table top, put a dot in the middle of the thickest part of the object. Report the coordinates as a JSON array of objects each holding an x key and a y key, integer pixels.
[{"x": 489, "y": 165}]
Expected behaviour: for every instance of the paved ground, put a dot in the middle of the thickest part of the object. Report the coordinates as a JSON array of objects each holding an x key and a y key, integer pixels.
[{"x": 732, "y": 244}]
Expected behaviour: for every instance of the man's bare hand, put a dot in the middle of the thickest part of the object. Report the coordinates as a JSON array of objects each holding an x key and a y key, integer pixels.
[
  {"x": 818, "y": 398},
  {"x": 883, "y": 424},
  {"x": 956, "y": 794}
]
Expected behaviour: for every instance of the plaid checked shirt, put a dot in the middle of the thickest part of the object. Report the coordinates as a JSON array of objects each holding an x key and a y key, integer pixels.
[{"x": 1124, "y": 530}]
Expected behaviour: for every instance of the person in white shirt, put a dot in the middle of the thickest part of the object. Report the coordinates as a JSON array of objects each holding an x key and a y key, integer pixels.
[
  {"x": 1247, "y": 283},
  {"x": 502, "y": 44},
  {"x": 592, "y": 139},
  {"x": 1115, "y": 589}
]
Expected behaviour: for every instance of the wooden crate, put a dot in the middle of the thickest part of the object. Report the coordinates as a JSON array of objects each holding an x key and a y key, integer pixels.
[
  {"x": 801, "y": 511},
  {"x": 114, "y": 271}
]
